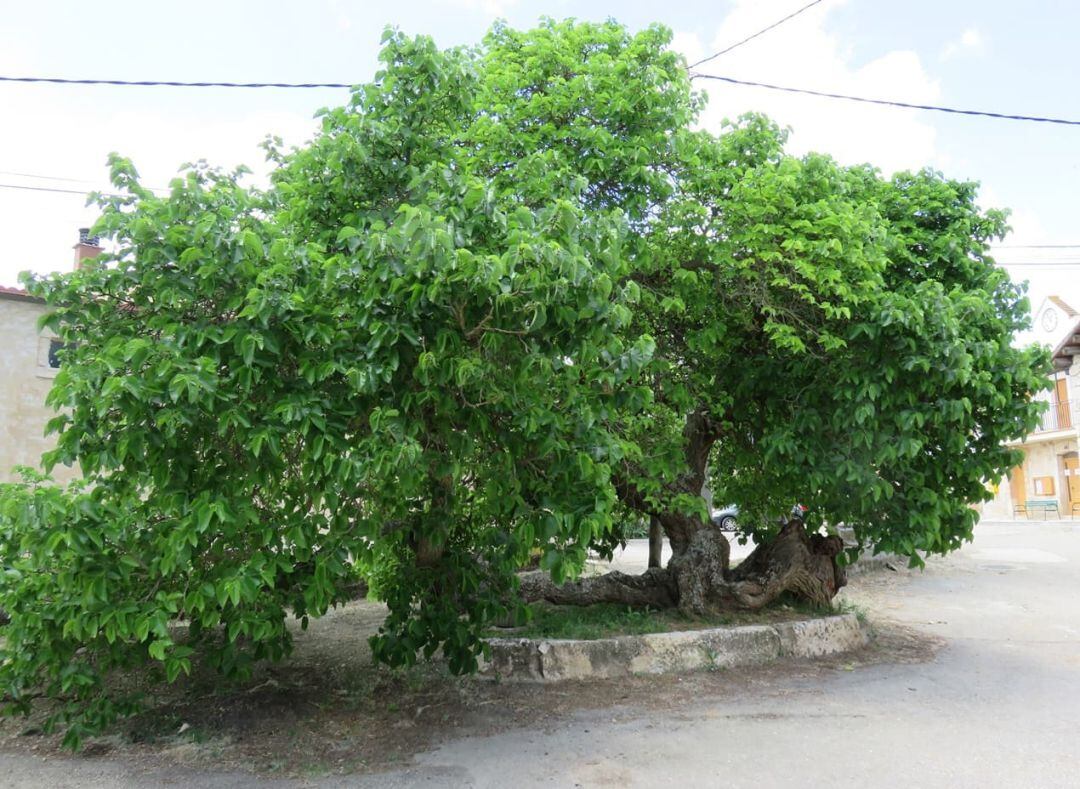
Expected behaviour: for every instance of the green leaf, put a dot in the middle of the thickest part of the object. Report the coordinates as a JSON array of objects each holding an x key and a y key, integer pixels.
[
  {"x": 345, "y": 233},
  {"x": 157, "y": 648}
]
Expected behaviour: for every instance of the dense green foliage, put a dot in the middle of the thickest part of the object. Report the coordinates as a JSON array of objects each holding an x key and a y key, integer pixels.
[{"x": 481, "y": 303}]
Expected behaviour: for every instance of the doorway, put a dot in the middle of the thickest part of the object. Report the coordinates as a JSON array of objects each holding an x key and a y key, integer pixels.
[
  {"x": 1017, "y": 488},
  {"x": 1071, "y": 468}
]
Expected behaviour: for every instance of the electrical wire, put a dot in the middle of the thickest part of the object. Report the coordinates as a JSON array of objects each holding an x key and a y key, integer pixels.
[
  {"x": 730, "y": 80},
  {"x": 1037, "y": 246},
  {"x": 886, "y": 102},
  {"x": 172, "y": 84},
  {"x": 45, "y": 189},
  {"x": 83, "y": 192},
  {"x": 45, "y": 177},
  {"x": 1060, "y": 265},
  {"x": 775, "y": 24}
]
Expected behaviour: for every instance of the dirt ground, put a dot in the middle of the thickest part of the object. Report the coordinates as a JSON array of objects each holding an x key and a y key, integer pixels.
[{"x": 328, "y": 710}]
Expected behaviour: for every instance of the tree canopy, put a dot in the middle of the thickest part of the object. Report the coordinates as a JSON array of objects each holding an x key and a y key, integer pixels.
[{"x": 509, "y": 298}]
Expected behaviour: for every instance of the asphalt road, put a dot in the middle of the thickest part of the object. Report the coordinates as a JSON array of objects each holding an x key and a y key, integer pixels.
[{"x": 997, "y": 706}]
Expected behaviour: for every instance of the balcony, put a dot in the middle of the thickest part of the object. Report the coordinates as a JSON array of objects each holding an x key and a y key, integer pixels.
[{"x": 1057, "y": 417}]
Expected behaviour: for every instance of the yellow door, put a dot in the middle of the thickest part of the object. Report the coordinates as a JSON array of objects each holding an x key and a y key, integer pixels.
[
  {"x": 1072, "y": 476},
  {"x": 1017, "y": 486}
]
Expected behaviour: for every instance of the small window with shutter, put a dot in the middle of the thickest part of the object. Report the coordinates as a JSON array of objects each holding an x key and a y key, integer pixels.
[{"x": 1044, "y": 486}]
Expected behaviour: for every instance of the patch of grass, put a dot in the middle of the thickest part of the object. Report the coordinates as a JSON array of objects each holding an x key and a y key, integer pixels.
[
  {"x": 798, "y": 605},
  {"x": 608, "y": 620},
  {"x": 846, "y": 606},
  {"x": 589, "y": 622},
  {"x": 714, "y": 660}
]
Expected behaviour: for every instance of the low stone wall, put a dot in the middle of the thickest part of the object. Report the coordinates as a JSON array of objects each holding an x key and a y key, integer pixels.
[
  {"x": 872, "y": 564},
  {"x": 551, "y": 660}
]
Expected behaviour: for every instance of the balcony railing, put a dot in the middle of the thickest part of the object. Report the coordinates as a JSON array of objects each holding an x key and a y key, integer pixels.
[{"x": 1057, "y": 417}]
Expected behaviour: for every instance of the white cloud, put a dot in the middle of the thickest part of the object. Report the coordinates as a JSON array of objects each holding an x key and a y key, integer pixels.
[
  {"x": 339, "y": 12},
  {"x": 1029, "y": 256},
  {"x": 804, "y": 54},
  {"x": 67, "y": 133},
  {"x": 51, "y": 140},
  {"x": 489, "y": 7},
  {"x": 969, "y": 42},
  {"x": 689, "y": 44}
]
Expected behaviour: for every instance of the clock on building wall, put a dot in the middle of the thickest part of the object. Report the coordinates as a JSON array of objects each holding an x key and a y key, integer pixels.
[{"x": 1050, "y": 319}]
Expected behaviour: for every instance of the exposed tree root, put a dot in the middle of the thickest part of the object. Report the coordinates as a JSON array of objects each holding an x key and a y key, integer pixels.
[
  {"x": 698, "y": 579},
  {"x": 653, "y": 588},
  {"x": 792, "y": 562}
]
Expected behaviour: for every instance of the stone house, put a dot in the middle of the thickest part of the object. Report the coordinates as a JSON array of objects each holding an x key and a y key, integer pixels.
[
  {"x": 1047, "y": 483},
  {"x": 28, "y": 364}
]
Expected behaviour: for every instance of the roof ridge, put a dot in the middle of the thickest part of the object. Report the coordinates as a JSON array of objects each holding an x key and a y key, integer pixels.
[
  {"x": 17, "y": 293},
  {"x": 1061, "y": 303}
]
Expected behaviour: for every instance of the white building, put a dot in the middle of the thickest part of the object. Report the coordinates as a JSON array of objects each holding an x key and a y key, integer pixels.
[
  {"x": 28, "y": 365},
  {"x": 1047, "y": 483}
]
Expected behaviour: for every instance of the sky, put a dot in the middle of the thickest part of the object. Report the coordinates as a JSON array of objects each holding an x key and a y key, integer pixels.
[{"x": 976, "y": 54}]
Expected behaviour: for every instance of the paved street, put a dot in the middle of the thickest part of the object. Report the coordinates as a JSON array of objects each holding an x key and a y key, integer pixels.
[{"x": 999, "y": 704}]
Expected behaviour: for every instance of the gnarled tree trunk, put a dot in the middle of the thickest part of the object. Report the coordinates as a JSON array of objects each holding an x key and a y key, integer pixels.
[
  {"x": 792, "y": 562},
  {"x": 699, "y": 578}
]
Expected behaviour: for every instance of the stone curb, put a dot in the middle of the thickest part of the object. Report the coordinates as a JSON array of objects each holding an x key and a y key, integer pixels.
[
  {"x": 552, "y": 660},
  {"x": 876, "y": 563}
]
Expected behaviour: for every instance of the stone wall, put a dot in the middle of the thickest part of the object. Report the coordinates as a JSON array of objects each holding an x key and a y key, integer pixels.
[{"x": 25, "y": 379}]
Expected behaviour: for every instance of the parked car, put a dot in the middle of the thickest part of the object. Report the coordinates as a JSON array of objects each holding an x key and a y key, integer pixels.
[{"x": 726, "y": 518}]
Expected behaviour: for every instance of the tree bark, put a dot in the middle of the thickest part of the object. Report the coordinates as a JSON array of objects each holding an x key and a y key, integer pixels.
[
  {"x": 699, "y": 581},
  {"x": 656, "y": 541},
  {"x": 653, "y": 588},
  {"x": 792, "y": 562},
  {"x": 699, "y": 434}
]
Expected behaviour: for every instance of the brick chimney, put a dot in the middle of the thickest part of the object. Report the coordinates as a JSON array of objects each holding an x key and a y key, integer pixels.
[{"x": 87, "y": 248}]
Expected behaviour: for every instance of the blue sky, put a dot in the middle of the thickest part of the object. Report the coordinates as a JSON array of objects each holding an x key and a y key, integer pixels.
[{"x": 1001, "y": 56}]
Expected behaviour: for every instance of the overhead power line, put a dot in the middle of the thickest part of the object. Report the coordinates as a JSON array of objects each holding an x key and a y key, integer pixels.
[
  {"x": 172, "y": 84},
  {"x": 83, "y": 192},
  {"x": 1057, "y": 264},
  {"x": 730, "y": 80},
  {"x": 45, "y": 177},
  {"x": 1037, "y": 246},
  {"x": 45, "y": 189},
  {"x": 886, "y": 102},
  {"x": 761, "y": 32},
  {"x": 1069, "y": 261}
]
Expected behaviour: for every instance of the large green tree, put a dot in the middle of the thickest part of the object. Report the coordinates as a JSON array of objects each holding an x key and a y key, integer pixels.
[{"x": 507, "y": 300}]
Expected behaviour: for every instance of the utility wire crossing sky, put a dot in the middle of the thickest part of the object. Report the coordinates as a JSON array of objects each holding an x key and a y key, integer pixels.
[
  {"x": 860, "y": 80},
  {"x": 732, "y": 80}
]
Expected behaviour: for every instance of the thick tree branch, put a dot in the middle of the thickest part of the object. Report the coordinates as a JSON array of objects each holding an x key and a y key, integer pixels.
[{"x": 654, "y": 588}]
